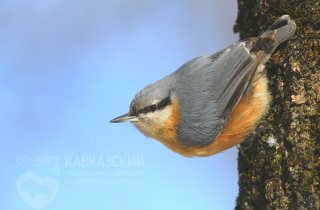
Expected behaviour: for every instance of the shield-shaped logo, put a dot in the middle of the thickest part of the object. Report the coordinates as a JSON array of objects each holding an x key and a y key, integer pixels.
[{"x": 38, "y": 182}]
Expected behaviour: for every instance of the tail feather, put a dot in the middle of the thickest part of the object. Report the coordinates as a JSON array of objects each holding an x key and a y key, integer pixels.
[
  {"x": 281, "y": 30},
  {"x": 263, "y": 46}
]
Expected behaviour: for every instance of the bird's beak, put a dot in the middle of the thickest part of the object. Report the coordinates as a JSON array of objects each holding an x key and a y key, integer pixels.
[{"x": 124, "y": 118}]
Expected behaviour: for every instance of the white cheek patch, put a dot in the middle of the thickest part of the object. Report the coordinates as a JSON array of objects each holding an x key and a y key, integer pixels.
[
  {"x": 160, "y": 115},
  {"x": 151, "y": 123}
]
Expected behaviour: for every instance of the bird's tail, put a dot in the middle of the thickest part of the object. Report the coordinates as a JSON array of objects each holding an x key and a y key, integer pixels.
[{"x": 280, "y": 31}]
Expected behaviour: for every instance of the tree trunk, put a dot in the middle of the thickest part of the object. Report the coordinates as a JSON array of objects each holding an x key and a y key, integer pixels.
[{"x": 281, "y": 170}]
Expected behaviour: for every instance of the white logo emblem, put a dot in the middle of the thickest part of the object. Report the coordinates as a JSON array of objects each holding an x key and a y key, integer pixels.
[{"x": 38, "y": 182}]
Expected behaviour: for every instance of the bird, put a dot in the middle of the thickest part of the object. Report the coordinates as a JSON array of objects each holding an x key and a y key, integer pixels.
[{"x": 212, "y": 102}]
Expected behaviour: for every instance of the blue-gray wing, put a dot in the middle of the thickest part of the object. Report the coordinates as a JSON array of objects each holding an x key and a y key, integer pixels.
[{"x": 209, "y": 88}]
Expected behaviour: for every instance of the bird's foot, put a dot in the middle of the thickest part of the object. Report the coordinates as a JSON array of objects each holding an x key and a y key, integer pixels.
[{"x": 247, "y": 143}]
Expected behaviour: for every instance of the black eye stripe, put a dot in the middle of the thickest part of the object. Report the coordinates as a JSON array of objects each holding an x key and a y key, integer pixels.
[
  {"x": 154, "y": 107},
  {"x": 165, "y": 102}
]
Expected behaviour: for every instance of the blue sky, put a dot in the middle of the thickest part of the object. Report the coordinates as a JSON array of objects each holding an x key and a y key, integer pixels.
[{"x": 66, "y": 69}]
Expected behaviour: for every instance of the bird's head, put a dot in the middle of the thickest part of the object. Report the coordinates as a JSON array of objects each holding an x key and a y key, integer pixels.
[{"x": 152, "y": 111}]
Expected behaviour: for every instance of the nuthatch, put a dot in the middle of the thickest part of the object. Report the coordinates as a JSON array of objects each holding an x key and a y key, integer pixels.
[{"x": 212, "y": 102}]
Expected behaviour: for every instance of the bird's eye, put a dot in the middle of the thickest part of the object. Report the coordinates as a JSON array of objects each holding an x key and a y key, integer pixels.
[{"x": 153, "y": 107}]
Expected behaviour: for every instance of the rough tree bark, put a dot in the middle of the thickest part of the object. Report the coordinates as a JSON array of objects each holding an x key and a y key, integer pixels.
[{"x": 281, "y": 170}]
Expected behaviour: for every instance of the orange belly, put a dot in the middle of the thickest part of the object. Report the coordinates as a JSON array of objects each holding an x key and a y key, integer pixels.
[{"x": 242, "y": 122}]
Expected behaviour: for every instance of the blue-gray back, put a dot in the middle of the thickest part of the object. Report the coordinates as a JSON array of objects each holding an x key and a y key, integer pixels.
[{"x": 208, "y": 88}]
